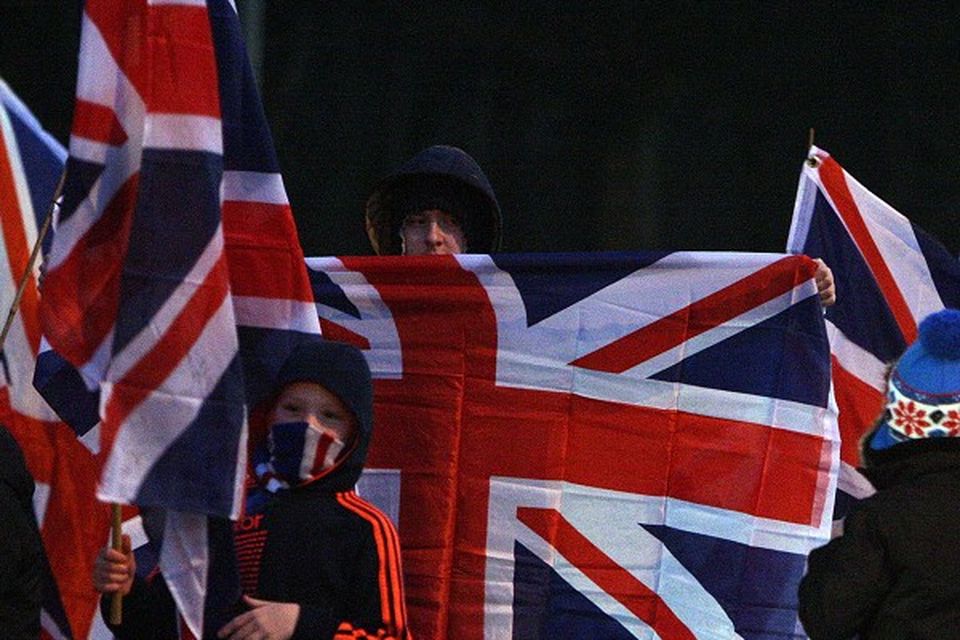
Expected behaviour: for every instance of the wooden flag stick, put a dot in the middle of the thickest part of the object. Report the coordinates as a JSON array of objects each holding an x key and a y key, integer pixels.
[
  {"x": 25, "y": 278},
  {"x": 116, "y": 542}
]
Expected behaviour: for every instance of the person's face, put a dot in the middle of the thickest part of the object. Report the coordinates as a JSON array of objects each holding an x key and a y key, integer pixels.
[
  {"x": 431, "y": 232},
  {"x": 309, "y": 402}
]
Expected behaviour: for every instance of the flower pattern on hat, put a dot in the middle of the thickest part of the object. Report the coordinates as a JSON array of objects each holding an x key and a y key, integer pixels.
[{"x": 915, "y": 419}]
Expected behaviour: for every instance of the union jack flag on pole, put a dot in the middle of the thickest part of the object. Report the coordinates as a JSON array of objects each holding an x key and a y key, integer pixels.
[
  {"x": 595, "y": 445},
  {"x": 174, "y": 259},
  {"x": 72, "y": 522},
  {"x": 889, "y": 275}
]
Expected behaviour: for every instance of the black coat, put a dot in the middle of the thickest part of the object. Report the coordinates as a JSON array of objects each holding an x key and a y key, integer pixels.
[
  {"x": 21, "y": 558},
  {"x": 895, "y": 571},
  {"x": 332, "y": 553}
]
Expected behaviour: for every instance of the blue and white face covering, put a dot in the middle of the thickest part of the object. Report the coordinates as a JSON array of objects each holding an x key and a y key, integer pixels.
[{"x": 295, "y": 453}]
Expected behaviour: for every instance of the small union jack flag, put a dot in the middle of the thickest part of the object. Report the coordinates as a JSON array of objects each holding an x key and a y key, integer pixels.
[{"x": 889, "y": 275}]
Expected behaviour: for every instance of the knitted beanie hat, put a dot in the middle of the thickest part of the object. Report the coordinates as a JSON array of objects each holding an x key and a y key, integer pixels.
[{"x": 923, "y": 393}]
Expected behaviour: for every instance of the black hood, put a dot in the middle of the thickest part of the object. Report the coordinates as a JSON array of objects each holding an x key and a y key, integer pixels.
[
  {"x": 437, "y": 177},
  {"x": 341, "y": 369}
]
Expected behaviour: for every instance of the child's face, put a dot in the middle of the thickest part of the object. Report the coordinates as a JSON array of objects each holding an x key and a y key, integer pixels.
[{"x": 309, "y": 402}]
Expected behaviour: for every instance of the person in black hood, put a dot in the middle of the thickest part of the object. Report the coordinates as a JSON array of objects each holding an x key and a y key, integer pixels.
[
  {"x": 21, "y": 560},
  {"x": 315, "y": 560},
  {"x": 438, "y": 202},
  {"x": 895, "y": 570}
]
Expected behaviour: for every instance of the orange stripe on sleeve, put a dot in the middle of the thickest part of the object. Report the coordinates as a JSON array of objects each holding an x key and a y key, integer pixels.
[{"x": 393, "y": 607}]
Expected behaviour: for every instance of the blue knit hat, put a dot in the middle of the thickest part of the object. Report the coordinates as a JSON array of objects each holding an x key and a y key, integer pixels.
[{"x": 923, "y": 393}]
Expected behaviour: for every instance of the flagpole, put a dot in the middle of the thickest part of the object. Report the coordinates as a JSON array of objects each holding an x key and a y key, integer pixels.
[
  {"x": 810, "y": 161},
  {"x": 116, "y": 542},
  {"x": 22, "y": 285}
]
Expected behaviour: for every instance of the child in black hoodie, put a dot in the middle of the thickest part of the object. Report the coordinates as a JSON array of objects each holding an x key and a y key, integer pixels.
[{"x": 315, "y": 560}]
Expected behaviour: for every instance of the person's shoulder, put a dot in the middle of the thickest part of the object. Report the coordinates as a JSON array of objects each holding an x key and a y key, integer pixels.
[
  {"x": 366, "y": 513},
  {"x": 931, "y": 498}
]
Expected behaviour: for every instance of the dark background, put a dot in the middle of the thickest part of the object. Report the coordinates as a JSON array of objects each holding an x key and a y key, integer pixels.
[{"x": 602, "y": 125}]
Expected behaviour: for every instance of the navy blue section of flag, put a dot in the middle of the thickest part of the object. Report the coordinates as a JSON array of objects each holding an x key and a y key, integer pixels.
[
  {"x": 736, "y": 573},
  {"x": 760, "y": 361},
  {"x": 84, "y": 174},
  {"x": 546, "y": 607},
  {"x": 63, "y": 389},
  {"x": 330, "y": 294},
  {"x": 859, "y": 296},
  {"x": 247, "y": 143},
  {"x": 41, "y": 155},
  {"x": 573, "y": 277}
]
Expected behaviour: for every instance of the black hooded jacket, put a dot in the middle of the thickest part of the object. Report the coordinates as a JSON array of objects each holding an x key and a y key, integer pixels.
[
  {"x": 324, "y": 547},
  {"x": 895, "y": 571},
  {"x": 22, "y": 556},
  {"x": 327, "y": 548}
]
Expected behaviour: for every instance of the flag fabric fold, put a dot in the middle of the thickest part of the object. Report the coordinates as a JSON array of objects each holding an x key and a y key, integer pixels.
[
  {"x": 175, "y": 265},
  {"x": 889, "y": 275}
]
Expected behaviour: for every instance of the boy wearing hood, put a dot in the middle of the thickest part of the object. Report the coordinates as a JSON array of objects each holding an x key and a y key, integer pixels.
[
  {"x": 895, "y": 571},
  {"x": 315, "y": 560}
]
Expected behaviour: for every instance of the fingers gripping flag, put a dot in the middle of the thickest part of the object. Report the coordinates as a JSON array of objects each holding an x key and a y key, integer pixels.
[
  {"x": 172, "y": 207},
  {"x": 889, "y": 275}
]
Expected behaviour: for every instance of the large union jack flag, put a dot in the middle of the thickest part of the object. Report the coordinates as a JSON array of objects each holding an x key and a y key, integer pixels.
[
  {"x": 175, "y": 283},
  {"x": 889, "y": 273},
  {"x": 595, "y": 446}
]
